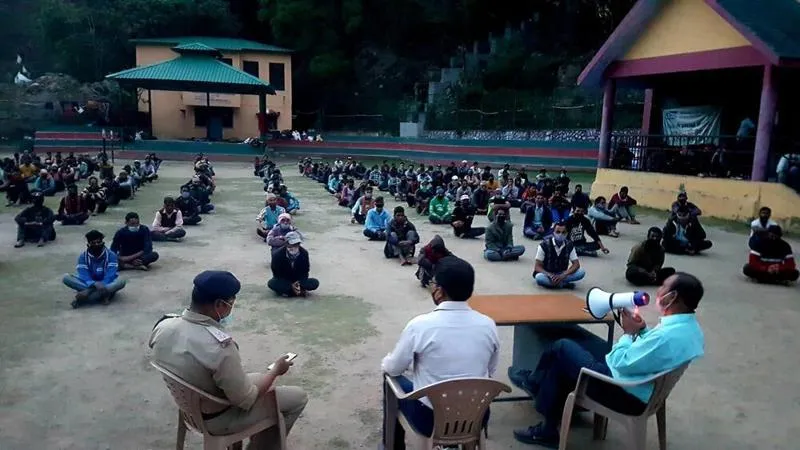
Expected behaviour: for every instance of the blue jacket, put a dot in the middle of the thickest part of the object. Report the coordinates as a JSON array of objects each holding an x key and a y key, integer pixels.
[
  {"x": 103, "y": 268},
  {"x": 44, "y": 184},
  {"x": 127, "y": 242},
  {"x": 377, "y": 220}
]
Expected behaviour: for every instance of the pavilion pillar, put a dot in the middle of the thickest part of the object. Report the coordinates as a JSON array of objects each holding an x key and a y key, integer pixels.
[
  {"x": 766, "y": 122},
  {"x": 150, "y": 110},
  {"x": 262, "y": 117},
  {"x": 647, "y": 112},
  {"x": 208, "y": 116},
  {"x": 606, "y": 123}
]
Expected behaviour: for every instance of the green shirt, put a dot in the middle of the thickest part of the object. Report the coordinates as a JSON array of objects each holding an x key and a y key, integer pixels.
[{"x": 439, "y": 207}]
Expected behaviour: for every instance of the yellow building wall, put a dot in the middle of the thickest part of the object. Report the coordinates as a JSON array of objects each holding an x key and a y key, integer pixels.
[
  {"x": 722, "y": 198},
  {"x": 172, "y": 119},
  {"x": 685, "y": 26}
]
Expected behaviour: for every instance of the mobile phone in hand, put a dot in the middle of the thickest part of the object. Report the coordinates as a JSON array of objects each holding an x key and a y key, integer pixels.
[{"x": 289, "y": 357}]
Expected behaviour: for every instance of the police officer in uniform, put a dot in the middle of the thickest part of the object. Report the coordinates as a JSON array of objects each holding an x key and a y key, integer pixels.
[{"x": 195, "y": 348}]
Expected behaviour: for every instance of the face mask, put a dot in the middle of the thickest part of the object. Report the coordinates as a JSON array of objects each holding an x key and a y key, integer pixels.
[
  {"x": 501, "y": 220},
  {"x": 184, "y": 194},
  {"x": 133, "y": 228},
  {"x": 293, "y": 251},
  {"x": 559, "y": 238},
  {"x": 227, "y": 320},
  {"x": 368, "y": 195},
  {"x": 661, "y": 301},
  {"x": 38, "y": 202},
  {"x": 379, "y": 208},
  {"x": 285, "y": 226},
  {"x": 95, "y": 250}
]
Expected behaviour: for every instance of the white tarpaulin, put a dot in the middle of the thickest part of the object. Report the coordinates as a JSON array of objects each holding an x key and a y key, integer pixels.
[{"x": 692, "y": 125}]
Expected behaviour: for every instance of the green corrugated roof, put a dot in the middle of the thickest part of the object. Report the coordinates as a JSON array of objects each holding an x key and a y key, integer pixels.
[
  {"x": 193, "y": 72},
  {"x": 196, "y": 48},
  {"x": 223, "y": 44},
  {"x": 775, "y": 22}
]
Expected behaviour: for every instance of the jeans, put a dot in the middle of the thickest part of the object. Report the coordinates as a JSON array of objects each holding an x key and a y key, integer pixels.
[
  {"x": 393, "y": 249},
  {"x": 284, "y": 287},
  {"x": 175, "y": 233},
  {"x": 418, "y": 414},
  {"x": 532, "y": 233},
  {"x": 192, "y": 220},
  {"x": 207, "y": 208},
  {"x": 624, "y": 212},
  {"x": 557, "y": 373},
  {"x": 76, "y": 284},
  {"x": 72, "y": 219},
  {"x": 585, "y": 248},
  {"x": 506, "y": 254},
  {"x": 544, "y": 281},
  {"x": 375, "y": 235},
  {"x": 35, "y": 233}
]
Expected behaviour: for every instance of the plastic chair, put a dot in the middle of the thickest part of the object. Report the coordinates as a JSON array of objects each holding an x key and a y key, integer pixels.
[
  {"x": 188, "y": 398},
  {"x": 459, "y": 406},
  {"x": 636, "y": 425}
]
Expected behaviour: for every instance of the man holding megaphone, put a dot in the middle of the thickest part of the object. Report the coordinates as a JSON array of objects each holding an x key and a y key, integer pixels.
[{"x": 640, "y": 353}]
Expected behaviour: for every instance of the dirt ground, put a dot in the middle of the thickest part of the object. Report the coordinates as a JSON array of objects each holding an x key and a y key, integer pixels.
[{"x": 79, "y": 379}]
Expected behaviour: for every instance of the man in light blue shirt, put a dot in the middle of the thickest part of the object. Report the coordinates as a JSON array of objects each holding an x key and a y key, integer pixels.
[
  {"x": 377, "y": 221},
  {"x": 641, "y": 353}
]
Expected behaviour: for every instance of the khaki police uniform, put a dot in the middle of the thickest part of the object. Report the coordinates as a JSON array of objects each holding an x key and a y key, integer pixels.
[{"x": 196, "y": 349}]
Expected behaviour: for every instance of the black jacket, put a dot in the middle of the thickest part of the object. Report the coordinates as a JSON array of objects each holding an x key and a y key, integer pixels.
[
  {"x": 282, "y": 267},
  {"x": 530, "y": 215},
  {"x": 577, "y": 226},
  {"x": 694, "y": 231}
]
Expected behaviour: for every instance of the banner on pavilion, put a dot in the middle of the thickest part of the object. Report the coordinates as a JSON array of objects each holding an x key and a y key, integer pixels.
[{"x": 692, "y": 125}]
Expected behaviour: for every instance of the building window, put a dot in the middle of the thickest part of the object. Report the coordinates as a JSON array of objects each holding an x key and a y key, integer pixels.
[
  {"x": 203, "y": 113},
  {"x": 277, "y": 76},
  {"x": 227, "y": 61},
  {"x": 250, "y": 67}
]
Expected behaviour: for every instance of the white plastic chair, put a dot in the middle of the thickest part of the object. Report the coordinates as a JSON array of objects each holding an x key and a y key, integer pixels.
[
  {"x": 459, "y": 406},
  {"x": 190, "y": 416},
  {"x": 636, "y": 425}
]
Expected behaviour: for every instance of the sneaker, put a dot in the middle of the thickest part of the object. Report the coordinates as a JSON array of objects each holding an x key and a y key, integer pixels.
[
  {"x": 537, "y": 435},
  {"x": 19, "y": 244}
]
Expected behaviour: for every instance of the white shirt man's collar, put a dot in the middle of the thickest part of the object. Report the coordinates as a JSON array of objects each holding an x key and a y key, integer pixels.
[{"x": 450, "y": 305}]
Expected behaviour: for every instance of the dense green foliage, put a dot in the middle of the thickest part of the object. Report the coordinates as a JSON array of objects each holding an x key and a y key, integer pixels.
[{"x": 352, "y": 56}]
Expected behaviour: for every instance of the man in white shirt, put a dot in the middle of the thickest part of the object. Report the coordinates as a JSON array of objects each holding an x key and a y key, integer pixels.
[
  {"x": 452, "y": 341},
  {"x": 759, "y": 226}
]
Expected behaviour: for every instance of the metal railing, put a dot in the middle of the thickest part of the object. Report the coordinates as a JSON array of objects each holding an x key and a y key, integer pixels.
[{"x": 722, "y": 156}]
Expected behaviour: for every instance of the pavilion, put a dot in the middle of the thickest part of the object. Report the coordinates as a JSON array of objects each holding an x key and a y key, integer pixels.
[
  {"x": 198, "y": 68},
  {"x": 739, "y": 57}
]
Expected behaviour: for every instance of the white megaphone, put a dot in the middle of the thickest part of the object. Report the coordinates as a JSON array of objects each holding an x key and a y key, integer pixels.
[{"x": 600, "y": 302}]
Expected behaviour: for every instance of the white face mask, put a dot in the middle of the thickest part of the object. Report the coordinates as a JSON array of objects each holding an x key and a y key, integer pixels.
[
  {"x": 661, "y": 301},
  {"x": 227, "y": 320},
  {"x": 133, "y": 228},
  {"x": 293, "y": 251}
]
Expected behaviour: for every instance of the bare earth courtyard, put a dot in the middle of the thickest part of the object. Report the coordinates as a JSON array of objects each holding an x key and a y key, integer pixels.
[{"x": 80, "y": 379}]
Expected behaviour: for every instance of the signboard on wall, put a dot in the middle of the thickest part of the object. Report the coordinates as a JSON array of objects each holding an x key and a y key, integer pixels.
[
  {"x": 680, "y": 125},
  {"x": 223, "y": 100}
]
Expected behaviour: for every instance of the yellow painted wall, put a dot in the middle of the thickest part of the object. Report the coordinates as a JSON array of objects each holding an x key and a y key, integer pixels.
[
  {"x": 174, "y": 120},
  {"x": 685, "y": 26},
  {"x": 722, "y": 198}
]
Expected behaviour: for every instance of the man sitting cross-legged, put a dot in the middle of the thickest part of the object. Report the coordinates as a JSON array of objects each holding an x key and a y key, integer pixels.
[
  {"x": 500, "y": 240},
  {"x": 95, "y": 196},
  {"x": 684, "y": 235},
  {"x": 376, "y": 222},
  {"x": 771, "y": 259},
  {"x": 268, "y": 217},
  {"x": 557, "y": 264},
  {"x": 133, "y": 245},
  {"x": 190, "y": 209},
  {"x": 73, "y": 209},
  {"x": 290, "y": 268},
  {"x": 578, "y": 226},
  {"x": 277, "y": 235},
  {"x": 96, "y": 279},
  {"x": 35, "y": 223},
  {"x": 452, "y": 341},
  {"x": 646, "y": 261},
  {"x": 640, "y": 353},
  {"x": 362, "y": 206},
  {"x": 463, "y": 215},
  {"x": 401, "y": 237},
  {"x": 168, "y": 223},
  {"x": 538, "y": 222},
  {"x": 439, "y": 208}
]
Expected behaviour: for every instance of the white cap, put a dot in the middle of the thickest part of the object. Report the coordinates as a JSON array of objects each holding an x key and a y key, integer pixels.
[
  {"x": 455, "y": 178},
  {"x": 293, "y": 238},
  {"x": 464, "y": 197}
]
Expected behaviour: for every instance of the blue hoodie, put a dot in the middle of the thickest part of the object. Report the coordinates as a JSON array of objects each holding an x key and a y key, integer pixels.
[{"x": 92, "y": 269}]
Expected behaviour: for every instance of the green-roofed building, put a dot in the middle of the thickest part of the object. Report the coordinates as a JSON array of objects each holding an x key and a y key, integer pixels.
[
  {"x": 715, "y": 73},
  {"x": 211, "y": 87}
]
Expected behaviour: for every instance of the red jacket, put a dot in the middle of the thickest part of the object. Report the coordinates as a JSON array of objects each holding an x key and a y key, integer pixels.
[{"x": 616, "y": 199}]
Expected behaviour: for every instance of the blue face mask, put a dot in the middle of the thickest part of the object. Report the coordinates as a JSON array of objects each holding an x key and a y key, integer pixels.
[
  {"x": 227, "y": 320},
  {"x": 559, "y": 238},
  {"x": 185, "y": 194}
]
